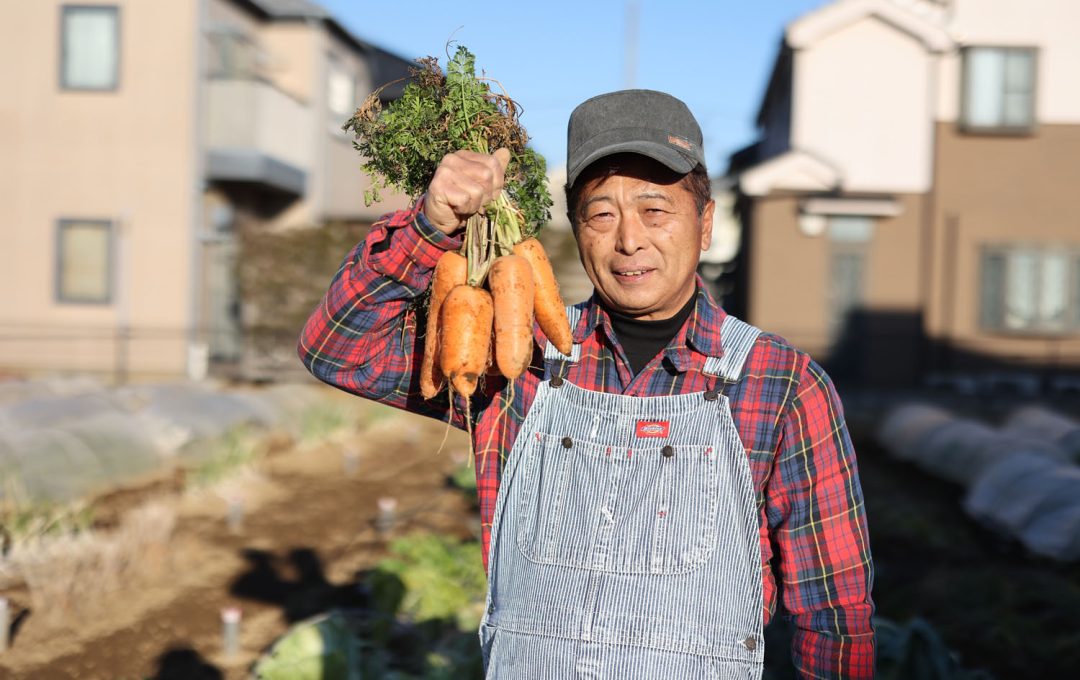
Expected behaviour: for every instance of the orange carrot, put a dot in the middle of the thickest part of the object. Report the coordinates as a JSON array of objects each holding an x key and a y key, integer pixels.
[
  {"x": 550, "y": 311},
  {"x": 465, "y": 338},
  {"x": 493, "y": 368},
  {"x": 511, "y": 283},
  {"x": 449, "y": 272}
]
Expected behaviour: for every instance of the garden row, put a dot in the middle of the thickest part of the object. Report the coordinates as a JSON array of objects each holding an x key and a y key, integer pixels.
[{"x": 1021, "y": 478}]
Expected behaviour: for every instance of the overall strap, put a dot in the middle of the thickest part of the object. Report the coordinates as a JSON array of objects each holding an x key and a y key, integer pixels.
[
  {"x": 573, "y": 315},
  {"x": 737, "y": 338}
]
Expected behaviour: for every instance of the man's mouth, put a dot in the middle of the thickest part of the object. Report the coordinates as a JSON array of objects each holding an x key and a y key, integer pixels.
[{"x": 630, "y": 273}]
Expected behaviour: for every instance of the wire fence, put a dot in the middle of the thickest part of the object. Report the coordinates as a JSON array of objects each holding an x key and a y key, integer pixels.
[{"x": 120, "y": 354}]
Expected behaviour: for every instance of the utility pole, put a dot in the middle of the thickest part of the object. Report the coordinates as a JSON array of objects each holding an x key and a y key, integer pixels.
[{"x": 630, "y": 43}]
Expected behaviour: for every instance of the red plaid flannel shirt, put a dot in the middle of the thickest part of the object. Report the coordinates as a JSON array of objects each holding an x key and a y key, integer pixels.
[{"x": 362, "y": 338}]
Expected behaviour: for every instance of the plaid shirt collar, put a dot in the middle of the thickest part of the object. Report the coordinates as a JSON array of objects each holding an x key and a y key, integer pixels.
[{"x": 699, "y": 335}]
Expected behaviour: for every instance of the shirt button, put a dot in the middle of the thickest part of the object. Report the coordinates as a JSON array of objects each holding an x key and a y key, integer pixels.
[
  {"x": 491, "y": 608},
  {"x": 711, "y": 395},
  {"x": 567, "y": 442},
  {"x": 556, "y": 381},
  {"x": 668, "y": 451},
  {"x": 750, "y": 643}
]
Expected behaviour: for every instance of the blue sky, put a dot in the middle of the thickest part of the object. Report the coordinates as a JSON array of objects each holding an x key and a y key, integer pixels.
[{"x": 714, "y": 55}]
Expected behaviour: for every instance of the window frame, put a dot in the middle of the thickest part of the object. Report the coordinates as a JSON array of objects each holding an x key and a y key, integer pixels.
[
  {"x": 335, "y": 119},
  {"x": 1071, "y": 323},
  {"x": 1000, "y": 130},
  {"x": 117, "y": 35},
  {"x": 110, "y": 263},
  {"x": 860, "y": 247}
]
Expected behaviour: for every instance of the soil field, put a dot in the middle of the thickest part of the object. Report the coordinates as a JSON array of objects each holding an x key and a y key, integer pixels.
[
  {"x": 999, "y": 608},
  {"x": 308, "y": 531}
]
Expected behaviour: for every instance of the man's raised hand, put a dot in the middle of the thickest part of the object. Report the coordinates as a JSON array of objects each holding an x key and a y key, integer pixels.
[{"x": 464, "y": 183}]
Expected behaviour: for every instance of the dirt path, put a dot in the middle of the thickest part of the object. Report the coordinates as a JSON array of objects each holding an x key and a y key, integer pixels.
[{"x": 299, "y": 552}]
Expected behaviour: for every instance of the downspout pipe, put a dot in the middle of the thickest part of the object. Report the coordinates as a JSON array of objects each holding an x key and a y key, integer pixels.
[{"x": 197, "y": 188}]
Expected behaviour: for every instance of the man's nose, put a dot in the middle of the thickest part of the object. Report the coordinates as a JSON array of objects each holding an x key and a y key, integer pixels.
[{"x": 632, "y": 236}]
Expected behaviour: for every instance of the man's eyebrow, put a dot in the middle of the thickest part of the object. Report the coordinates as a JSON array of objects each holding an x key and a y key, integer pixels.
[
  {"x": 594, "y": 199},
  {"x": 650, "y": 195}
]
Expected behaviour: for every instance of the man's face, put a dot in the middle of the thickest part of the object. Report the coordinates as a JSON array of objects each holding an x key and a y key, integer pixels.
[{"x": 640, "y": 236}]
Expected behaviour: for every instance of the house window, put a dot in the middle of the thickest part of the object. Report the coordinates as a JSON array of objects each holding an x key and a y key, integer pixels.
[
  {"x": 1030, "y": 290},
  {"x": 233, "y": 54},
  {"x": 999, "y": 89},
  {"x": 340, "y": 91},
  {"x": 90, "y": 48},
  {"x": 849, "y": 240},
  {"x": 84, "y": 261}
]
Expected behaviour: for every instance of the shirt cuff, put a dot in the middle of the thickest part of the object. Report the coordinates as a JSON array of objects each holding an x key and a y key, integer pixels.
[
  {"x": 406, "y": 247},
  {"x": 431, "y": 235}
]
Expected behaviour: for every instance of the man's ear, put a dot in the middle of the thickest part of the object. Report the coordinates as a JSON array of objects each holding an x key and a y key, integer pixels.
[{"x": 707, "y": 224}]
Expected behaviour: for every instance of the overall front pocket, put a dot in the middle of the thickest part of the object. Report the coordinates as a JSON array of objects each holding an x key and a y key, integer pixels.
[{"x": 585, "y": 505}]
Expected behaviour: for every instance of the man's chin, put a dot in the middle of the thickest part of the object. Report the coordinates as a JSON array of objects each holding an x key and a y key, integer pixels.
[{"x": 628, "y": 306}]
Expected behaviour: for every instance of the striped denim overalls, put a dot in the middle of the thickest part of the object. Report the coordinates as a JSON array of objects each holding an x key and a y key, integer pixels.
[{"x": 625, "y": 538}]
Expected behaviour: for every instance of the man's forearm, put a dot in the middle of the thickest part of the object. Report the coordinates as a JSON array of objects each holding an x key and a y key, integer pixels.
[
  {"x": 822, "y": 653},
  {"x": 818, "y": 521},
  {"x": 362, "y": 336}
]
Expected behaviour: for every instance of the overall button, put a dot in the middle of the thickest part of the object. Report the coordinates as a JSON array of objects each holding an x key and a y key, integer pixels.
[
  {"x": 567, "y": 442},
  {"x": 711, "y": 395},
  {"x": 750, "y": 643},
  {"x": 668, "y": 451},
  {"x": 491, "y": 608},
  {"x": 556, "y": 381}
]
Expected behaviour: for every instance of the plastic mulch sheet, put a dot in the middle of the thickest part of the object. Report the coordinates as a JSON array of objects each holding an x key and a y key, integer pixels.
[
  {"x": 1055, "y": 533},
  {"x": 60, "y": 442},
  {"x": 955, "y": 449},
  {"x": 1048, "y": 425},
  {"x": 69, "y": 461},
  {"x": 905, "y": 428},
  {"x": 1032, "y": 498}
]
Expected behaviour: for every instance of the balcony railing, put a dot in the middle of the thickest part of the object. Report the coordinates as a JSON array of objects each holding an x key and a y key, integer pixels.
[{"x": 255, "y": 132}]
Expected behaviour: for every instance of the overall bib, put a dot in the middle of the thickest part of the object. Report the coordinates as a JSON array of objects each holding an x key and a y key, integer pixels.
[{"x": 625, "y": 539}]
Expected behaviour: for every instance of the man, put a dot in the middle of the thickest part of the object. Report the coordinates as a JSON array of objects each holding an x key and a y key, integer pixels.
[{"x": 642, "y": 497}]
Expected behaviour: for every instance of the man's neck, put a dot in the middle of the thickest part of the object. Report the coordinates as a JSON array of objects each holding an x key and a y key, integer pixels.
[{"x": 642, "y": 340}]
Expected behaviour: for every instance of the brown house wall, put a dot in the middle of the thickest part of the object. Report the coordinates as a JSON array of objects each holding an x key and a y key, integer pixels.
[
  {"x": 1020, "y": 190},
  {"x": 124, "y": 155},
  {"x": 788, "y": 289}
]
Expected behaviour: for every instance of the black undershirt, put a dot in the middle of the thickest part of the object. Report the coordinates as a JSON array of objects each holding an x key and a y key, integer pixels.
[{"x": 643, "y": 340}]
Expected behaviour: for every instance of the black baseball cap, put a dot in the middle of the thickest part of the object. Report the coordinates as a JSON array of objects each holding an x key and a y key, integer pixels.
[{"x": 647, "y": 122}]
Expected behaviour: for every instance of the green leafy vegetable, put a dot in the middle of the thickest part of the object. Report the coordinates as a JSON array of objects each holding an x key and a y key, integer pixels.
[
  {"x": 322, "y": 648},
  {"x": 440, "y": 113}
]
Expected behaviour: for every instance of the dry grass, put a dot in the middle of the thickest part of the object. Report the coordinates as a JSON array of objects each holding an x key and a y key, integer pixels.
[{"x": 70, "y": 575}]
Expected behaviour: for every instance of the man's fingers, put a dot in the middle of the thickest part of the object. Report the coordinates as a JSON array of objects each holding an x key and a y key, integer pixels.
[
  {"x": 464, "y": 183},
  {"x": 503, "y": 157}
]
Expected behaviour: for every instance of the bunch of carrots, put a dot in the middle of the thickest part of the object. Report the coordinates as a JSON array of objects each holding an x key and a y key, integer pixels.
[
  {"x": 469, "y": 325},
  {"x": 484, "y": 299}
]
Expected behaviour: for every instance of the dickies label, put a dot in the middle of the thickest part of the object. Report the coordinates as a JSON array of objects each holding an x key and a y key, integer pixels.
[{"x": 652, "y": 428}]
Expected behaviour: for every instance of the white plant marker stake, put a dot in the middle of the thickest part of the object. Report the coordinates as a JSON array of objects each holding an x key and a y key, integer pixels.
[
  {"x": 5, "y": 623},
  {"x": 351, "y": 462},
  {"x": 387, "y": 516},
  {"x": 230, "y": 631},
  {"x": 235, "y": 517}
]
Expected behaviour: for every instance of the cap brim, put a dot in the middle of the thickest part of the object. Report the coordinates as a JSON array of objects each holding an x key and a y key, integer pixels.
[{"x": 602, "y": 145}]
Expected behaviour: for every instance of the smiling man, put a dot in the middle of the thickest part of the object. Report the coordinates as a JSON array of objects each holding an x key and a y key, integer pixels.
[{"x": 647, "y": 499}]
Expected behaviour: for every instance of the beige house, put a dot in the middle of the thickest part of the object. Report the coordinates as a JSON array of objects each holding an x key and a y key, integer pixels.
[
  {"x": 911, "y": 208},
  {"x": 137, "y": 136}
]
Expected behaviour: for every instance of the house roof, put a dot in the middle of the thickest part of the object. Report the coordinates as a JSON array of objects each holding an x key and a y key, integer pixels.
[
  {"x": 387, "y": 67},
  {"x": 810, "y": 28},
  {"x": 291, "y": 9},
  {"x": 795, "y": 170}
]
